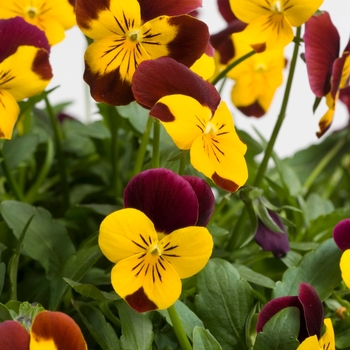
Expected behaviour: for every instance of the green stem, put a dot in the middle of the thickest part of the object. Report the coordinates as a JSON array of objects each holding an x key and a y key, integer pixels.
[
  {"x": 156, "y": 143},
  {"x": 237, "y": 238},
  {"x": 142, "y": 148},
  {"x": 61, "y": 160},
  {"x": 223, "y": 73},
  {"x": 219, "y": 207},
  {"x": 179, "y": 331},
  {"x": 183, "y": 163}
]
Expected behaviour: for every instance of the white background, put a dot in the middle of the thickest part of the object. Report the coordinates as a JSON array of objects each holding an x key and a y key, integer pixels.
[{"x": 300, "y": 125}]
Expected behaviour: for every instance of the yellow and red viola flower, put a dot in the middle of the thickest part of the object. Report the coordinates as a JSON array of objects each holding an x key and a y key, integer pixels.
[
  {"x": 127, "y": 32},
  {"x": 51, "y": 16},
  {"x": 256, "y": 79},
  {"x": 309, "y": 305},
  {"x": 326, "y": 342},
  {"x": 341, "y": 236},
  {"x": 328, "y": 73},
  {"x": 271, "y": 22},
  {"x": 158, "y": 238},
  {"x": 49, "y": 330},
  {"x": 24, "y": 68},
  {"x": 194, "y": 116}
]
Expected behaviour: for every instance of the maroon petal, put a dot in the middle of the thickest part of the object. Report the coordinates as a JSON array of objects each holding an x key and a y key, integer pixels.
[
  {"x": 253, "y": 110},
  {"x": 154, "y": 8},
  {"x": 164, "y": 76},
  {"x": 344, "y": 96},
  {"x": 341, "y": 234},
  {"x": 321, "y": 49},
  {"x": 337, "y": 74},
  {"x": 167, "y": 199},
  {"x": 313, "y": 310},
  {"x": 88, "y": 10},
  {"x": 205, "y": 198},
  {"x": 13, "y": 336},
  {"x": 16, "y": 32},
  {"x": 277, "y": 243},
  {"x": 225, "y": 10}
]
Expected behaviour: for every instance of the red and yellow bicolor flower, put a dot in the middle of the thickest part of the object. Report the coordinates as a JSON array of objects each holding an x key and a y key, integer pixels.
[
  {"x": 194, "y": 116},
  {"x": 127, "y": 32},
  {"x": 158, "y": 238},
  {"x": 270, "y": 22},
  {"x": 328, "y": 73},
  {"x": 49, "y": 330},
  {"x": 51, "y": 16},
  {"x": 24, "y": 68}
]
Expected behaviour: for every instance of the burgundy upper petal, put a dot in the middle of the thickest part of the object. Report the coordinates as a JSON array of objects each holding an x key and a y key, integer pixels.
[
  {"x": 344, "y": 96},
  {"x": 321, "y": 49},
  {"x": 154, "y": 8},
  {"x": 337, "y": 74},
  {"x": 341, "y": 234},
  {"x": 164, "y": 76},
  {"x": 272, "y": 241},
  {"x": 13, "y": 336},
  {"x": 167, "y": 199},
  {"x": 205, "y": 198},
  {"x": 16, "y": 32},
  {"x": 225, "y": 10}
]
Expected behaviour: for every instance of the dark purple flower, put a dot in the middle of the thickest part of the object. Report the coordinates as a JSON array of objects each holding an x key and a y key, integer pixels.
[
  {"x": 341, "y": 234},
  {"x": 309, "y": 305}
]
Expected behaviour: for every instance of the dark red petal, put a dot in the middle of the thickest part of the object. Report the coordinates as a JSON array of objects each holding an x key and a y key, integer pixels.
[
  {"x": 337, "y": 74},
  {"x": 140, "y": 302},
  {"x": 313, "y": 310},
  {"x": 59, "y": 327},
  {"x": 277, "y": 243},
  {"x": 225, "y": 184},
  {"x": 13, "y": 336},
  {"x": 225, "y": 10},
  {"x": 167, "y": 199},
  {"x": 41, "y": 65},
  {"x": 16, "y": 32},
  {"x": 205, "y": 198},
  {"x": 344, "y": 96},
  {"x": 341, "y": 234},
  {"x": 321, "y": 49},
  {"x": 88, "y": 10},
  {"x": 154, "y": 8},
  {"x": 164, "y": 76},
  {"x": 109, "y": 88},
  {"x": 253, "y": 110}
]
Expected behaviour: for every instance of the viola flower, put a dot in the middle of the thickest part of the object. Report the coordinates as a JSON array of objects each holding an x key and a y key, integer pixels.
[
  {"x": 256, "y": 79},
  {"x": 127, "y": 32},
  {"x": 49, "y": 330},
  {"x": 51, "y": 16},
  {"x": 328, "y": 73},
  {"x": 341, "y": 236},
  {"x": 326, "y": 342},
  {"x": 275, "y": 242},
  {"x": 24, "y": 68},
  {"x": 270, "y": 22},
  {"x": 194, "y": 116},
  {"x": 309, "y": 305},
  {"x": 154, "y": 242}
]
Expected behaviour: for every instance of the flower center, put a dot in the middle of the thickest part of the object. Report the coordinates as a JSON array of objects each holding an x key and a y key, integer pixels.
[
  {"x": 32, "y": 12},
  {"x": 155, "y": 250},
  {"x": 210, "y": 129},
  {"x": 134, "y": 35},
  {"x": 277, "y": 6},
  {"x": 260, "y": 68}
]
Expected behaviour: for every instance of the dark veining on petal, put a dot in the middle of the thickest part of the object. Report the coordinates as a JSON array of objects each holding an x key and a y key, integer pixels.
[{"x": 170, "y": 248}]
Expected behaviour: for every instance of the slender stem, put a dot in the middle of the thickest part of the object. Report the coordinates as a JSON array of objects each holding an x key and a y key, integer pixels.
[
  {"x": 156, "y": 144},
  {"x": 183, "y": 163},
  {"x": 142, "y": 148},
  {"x": 61, "y": 160},
  {"x": 223, "y": 73},
  {"x": 179, "y": 331},
  {"x": 219, "y": 207},
  {"x": 237, "y": 238}
]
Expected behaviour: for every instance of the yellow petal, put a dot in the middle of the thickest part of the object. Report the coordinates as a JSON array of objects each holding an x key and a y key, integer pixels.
[
  {"x": 204, "y": 67},
  {"x": 190, "y": 118},
  {"x": 310, "y": 343},
  {"x": 248, "y": 10},
  {"x": 345, "y": 267},
  {"x": 147, "y": 282},
  {"x": 9, "y": 111},
  {"x": 187, "y": 250},
  {"x": 327, "y": 340},
  {"x": 124, "y": 233},
  {"x": 299, "y": 11}
]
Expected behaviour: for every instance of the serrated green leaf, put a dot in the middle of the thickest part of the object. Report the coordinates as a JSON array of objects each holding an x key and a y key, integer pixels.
[
  {"x": 223, "y": 303},
  {"x": 204, "y": 340},
  {"x": 280, "y": 332},
  {"x": 254, "y": 277}
]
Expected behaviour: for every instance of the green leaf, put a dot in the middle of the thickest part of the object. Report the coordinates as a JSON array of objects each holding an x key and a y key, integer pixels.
[
  {"x": 91, "y": 291},
  {"x": 27, "y": 313},
  {"x": 46, "y": 240},
  {"x": 319, "y": 268},
  {"x": 265, "y": 217},
  {"x": 95, "y": 130},
  {"x": 188, "y": 318},
  {"x": 5, "y": 313},
  {"x": 223, "y": 303},
  {"x": 280, "y": 332},
  {"x": 137, "y": 328},
  {"x": 254, "y": 277},
  {"x": 217, "y": 231},
  {"x": 74, "y": 268},
  {"x": 204, "y": 340},
  {"x": 317, "y": 206},
  {"x": 98, "y": 327},
  {"x": 2, "y": 276},
  {"x": 136, "y": 114}
]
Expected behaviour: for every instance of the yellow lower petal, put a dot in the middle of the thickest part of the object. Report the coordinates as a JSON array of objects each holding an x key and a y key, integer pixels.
[
  {"x": 9, "y": 111},
  {"x": 327, "y": 340},
  {"x": 124, "y": 233},
  {"x": 299, "y": 11},
  {"x": 310, "y": 343},
  {"x": 204, "y": 67},
  {"x": 345, "y": 267},
  {"x": 249, "y": 10},
  {"x": 187, "y": 250}
]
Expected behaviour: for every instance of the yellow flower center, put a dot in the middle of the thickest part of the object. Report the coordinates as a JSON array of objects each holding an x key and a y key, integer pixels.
[
  {"x": 31, "y": 12},
  {"x": 134, "y": 35},
  {"x": 155, "y": 249},
  {"x": 260, "y": 68},
  {"x": 210, "y": 129},
  {"x": 277, "y": 6}
]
